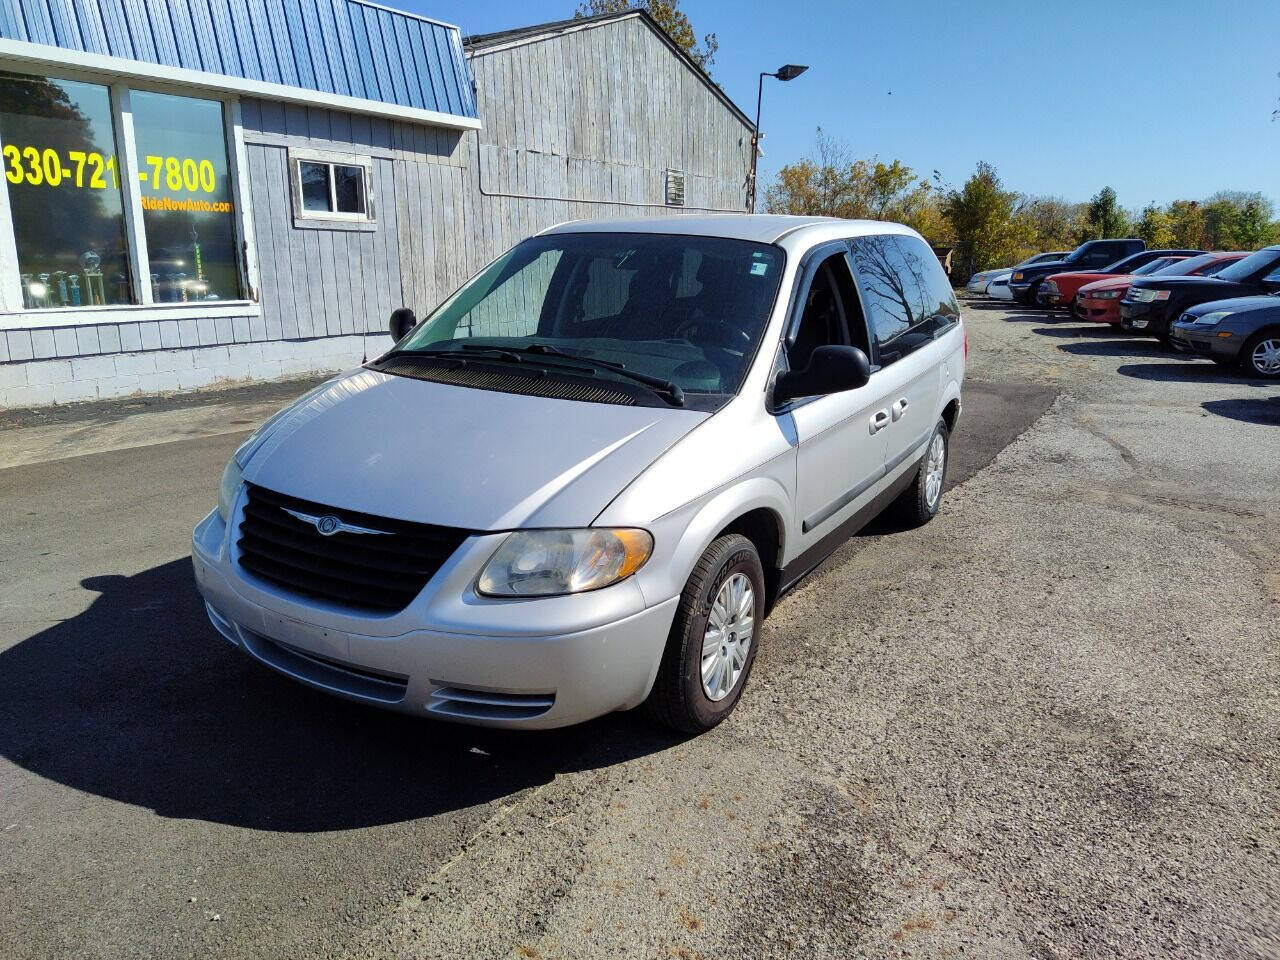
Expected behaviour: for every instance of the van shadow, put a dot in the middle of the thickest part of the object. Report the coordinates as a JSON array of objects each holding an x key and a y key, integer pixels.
[
  {"x": 1264, "y": 411},
  {"x": 137, "y": 699}
]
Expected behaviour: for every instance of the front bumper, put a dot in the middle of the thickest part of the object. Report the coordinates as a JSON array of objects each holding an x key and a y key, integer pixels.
[
  {"x": 1204, "y": 341},
  {"x": 1020, "y": 291},
  {"x": 1096, "y": 311},
  {"x": 1150, "y": 319},
  {"x": 509, "y": 675}
]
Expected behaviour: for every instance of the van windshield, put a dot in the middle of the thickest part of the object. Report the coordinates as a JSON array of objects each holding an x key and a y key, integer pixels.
[{"x": 685, "y": 310}]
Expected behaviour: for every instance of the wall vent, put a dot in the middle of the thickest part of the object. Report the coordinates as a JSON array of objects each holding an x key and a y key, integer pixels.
[{"x": 675, "y": 188}]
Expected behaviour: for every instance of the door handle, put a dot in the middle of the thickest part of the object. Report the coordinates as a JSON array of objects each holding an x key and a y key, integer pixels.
[
  {"x": 879, "y": 420},
  {"x": 899, "y": 408}
]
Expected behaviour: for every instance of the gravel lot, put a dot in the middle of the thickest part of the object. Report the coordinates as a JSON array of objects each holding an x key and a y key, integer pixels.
[{"x": 1045, "y": 725}]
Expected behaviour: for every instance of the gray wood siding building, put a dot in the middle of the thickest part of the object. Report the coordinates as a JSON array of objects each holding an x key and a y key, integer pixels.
[{"x": 591, "y": 118}]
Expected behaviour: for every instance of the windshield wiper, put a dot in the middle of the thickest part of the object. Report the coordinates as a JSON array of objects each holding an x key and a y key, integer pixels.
[
  {"x": 670, "y": 388},
  {"x": 479, "y": 351},
  {"x": 476, "y": 349}
]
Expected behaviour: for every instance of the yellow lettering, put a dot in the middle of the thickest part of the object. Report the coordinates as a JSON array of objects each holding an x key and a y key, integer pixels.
[
  {"x": 77, "y": 157},
  {"x": 14, "y": 156},
  {"x": 35, "y": 176}
]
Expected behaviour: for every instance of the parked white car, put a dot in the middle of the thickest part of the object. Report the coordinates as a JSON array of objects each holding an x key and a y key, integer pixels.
[
  {"x": 998, "y": 286},
  {"x": 582, "y": 482}
]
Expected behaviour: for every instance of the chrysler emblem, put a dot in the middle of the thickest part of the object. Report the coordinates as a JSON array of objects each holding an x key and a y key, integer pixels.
[{"x": 327, "y": 525}]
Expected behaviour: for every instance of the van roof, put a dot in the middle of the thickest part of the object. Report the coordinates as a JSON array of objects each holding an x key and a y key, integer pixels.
[{"x": 757, "y": 227}]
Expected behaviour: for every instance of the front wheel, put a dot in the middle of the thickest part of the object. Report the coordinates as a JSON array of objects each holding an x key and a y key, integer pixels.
[
  {"x": 1261, "y": 355},
  {"x": 713, "y": 641},
  {"x": 918, "y": 504}
]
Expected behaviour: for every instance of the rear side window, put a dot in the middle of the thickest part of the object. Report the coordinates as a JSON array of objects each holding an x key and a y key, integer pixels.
[{"x": 906, "y": 294}]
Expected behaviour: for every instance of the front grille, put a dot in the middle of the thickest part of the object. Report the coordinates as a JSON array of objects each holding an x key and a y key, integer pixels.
[{"x": 381, "y": 572}]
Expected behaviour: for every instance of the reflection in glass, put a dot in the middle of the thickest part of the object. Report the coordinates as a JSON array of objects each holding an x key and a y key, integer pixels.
[
  {"x": 348, "y": 188},
  {"x": 64, "y": 192},
  {"x": 187, "y": 212},
  {"x": 315, "y": 185}
]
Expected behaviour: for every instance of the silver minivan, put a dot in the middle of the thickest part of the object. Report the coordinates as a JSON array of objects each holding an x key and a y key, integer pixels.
[{"x": 582, "y": 482}]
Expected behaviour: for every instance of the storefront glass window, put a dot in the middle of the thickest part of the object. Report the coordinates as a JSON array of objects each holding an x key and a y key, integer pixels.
[
  {"x": 63, "y": 179},
  {"x": 187, "y": 212}
]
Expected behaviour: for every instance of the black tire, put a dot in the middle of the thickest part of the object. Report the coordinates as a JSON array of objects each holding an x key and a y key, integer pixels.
[
  {"x": 678, "y": 699},
  {"x": 913, "y": 507},
  {"x": 1246, "y": 355}
]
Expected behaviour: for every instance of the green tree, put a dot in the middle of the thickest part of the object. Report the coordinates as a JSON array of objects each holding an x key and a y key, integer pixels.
[
  {"x": 1155, "y": 227},
  {"x": 1256, "y": 228},
  {"x": 669, "y": 17},
  {"x": 1236, "y": 220},
  {"x": 984, "y": 221},
  {"x": 1105, "y": 217}
]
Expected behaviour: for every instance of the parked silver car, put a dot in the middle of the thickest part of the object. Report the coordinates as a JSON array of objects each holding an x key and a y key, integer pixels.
[
  {"x": 581, "y": 483},
  {"x": 979, "y": 282}
]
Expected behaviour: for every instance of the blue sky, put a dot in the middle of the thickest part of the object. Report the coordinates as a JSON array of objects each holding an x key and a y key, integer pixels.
[{"x": 1161, "y": 99}]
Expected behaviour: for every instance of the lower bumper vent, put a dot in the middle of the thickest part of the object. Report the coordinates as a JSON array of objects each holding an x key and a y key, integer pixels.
[
  {"x": 326, "y": 673},
  {"x": 486, "y": 705}
]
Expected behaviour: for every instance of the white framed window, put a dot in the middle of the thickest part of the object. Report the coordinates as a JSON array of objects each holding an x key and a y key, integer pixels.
[
  {"x": 119, "y": 199},
  {"x": 331, "y": 187}
]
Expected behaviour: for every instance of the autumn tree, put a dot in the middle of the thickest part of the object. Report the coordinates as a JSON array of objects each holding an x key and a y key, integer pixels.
[
  {"x": 832, "y": 183},
  {"x": 1055, "y": 222},
  {"x": 1186, "y": 221},
  {"x": 1155, "y": 227},
  {"x": 668, "y": 15}
]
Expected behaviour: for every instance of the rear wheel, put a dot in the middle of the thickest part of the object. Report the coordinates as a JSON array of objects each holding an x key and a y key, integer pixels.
[
  {"x": 713, "y": 641},
  {"x": 919, "y": 503},
  {"x": 1261, "y": 355}
]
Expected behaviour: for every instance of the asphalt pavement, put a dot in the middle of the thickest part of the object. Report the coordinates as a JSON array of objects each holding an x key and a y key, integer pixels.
[{"x": 1043, "y": 725}]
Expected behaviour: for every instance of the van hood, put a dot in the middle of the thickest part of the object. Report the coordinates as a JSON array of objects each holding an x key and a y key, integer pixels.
[{"x": 478, "y": 459}]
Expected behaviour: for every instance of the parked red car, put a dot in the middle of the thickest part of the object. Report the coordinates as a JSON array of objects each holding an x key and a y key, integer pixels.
[
  {"x": 1059, "y": 290},
  {"x": 1099, "y": 302}
]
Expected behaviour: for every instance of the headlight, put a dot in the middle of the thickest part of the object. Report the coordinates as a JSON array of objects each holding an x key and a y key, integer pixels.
[
  {"x": 228, "y": 488},
  {"x": 1017, "y": 275},
  {"x": 1146, "y": 296},
  {"x": 1104, "y": 295},
  {"x": 543, "y": 563},
  {"x": 1212, "y": 318},
  {"x": 1050, "y": 287}
]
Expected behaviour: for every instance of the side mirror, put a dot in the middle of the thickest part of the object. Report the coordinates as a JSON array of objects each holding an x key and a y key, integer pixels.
[
  {"x": 831, "y": 369},
  {"x": 402, "y": 321}
]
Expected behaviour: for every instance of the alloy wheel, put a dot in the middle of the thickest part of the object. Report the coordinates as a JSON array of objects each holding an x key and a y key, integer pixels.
[
  {"x": 727, "y": 640},
  {"x": 1265, "y": 358},
  {"x": 934, "y": 469}
]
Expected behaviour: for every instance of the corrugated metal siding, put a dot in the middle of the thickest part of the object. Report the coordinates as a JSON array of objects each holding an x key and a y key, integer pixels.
[{"x": 331, "y": 46}]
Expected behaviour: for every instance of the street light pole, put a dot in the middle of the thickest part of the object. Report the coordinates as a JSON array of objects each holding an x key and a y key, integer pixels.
[{"x": 787, "y": 72}]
